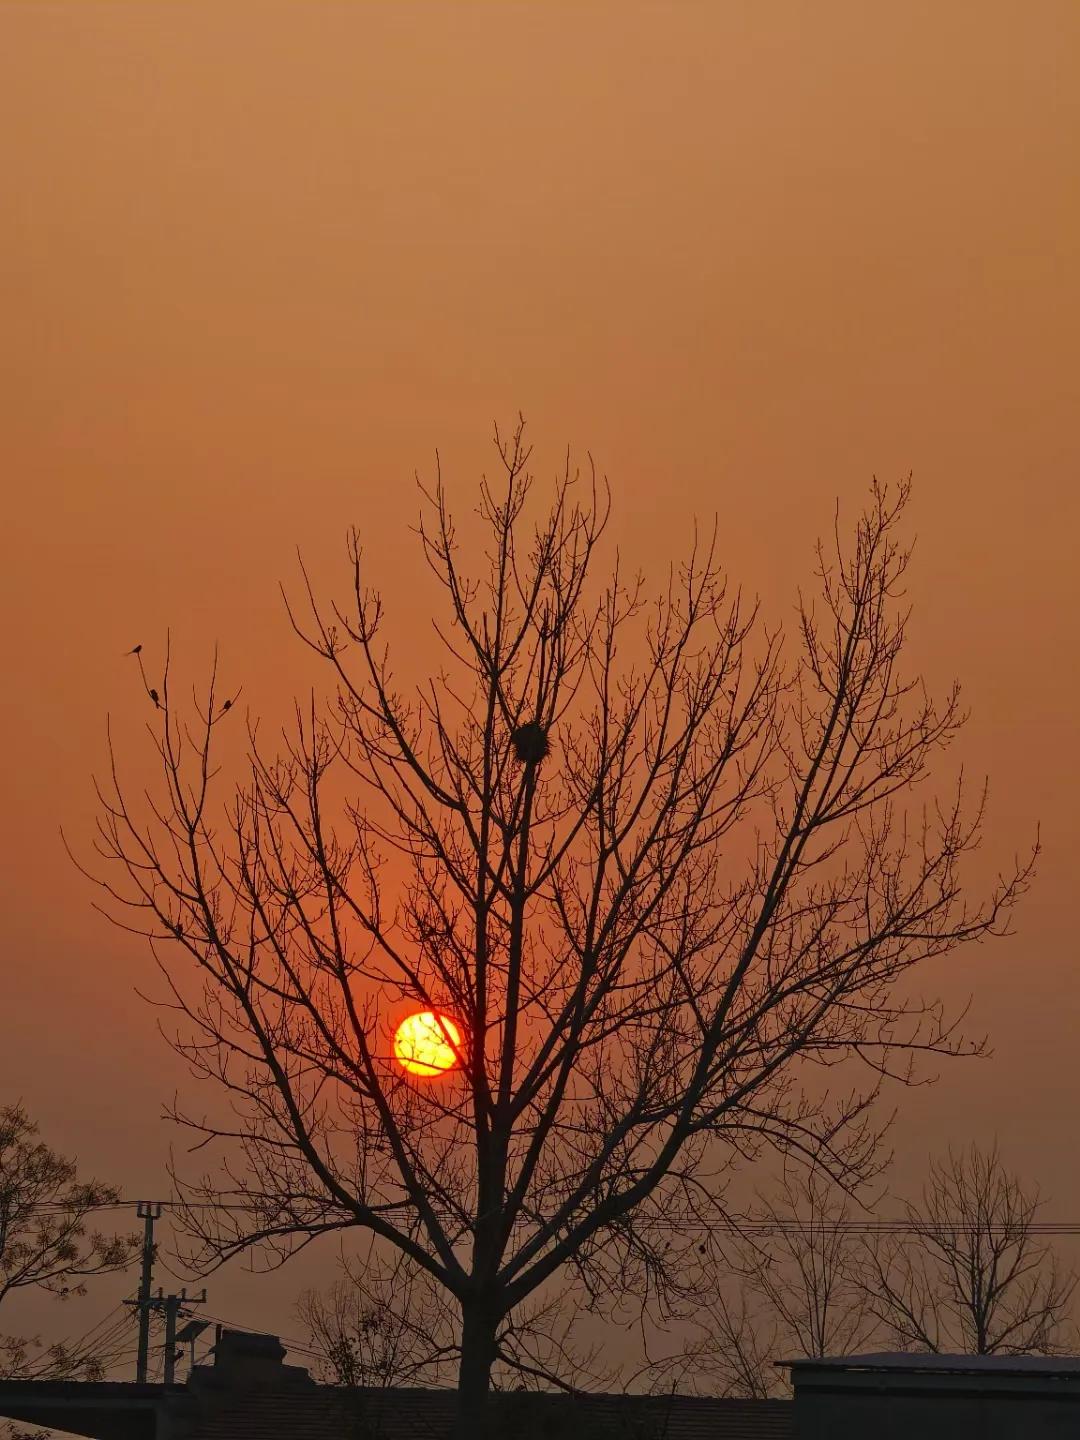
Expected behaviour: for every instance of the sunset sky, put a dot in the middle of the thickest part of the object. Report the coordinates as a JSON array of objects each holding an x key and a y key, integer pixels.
[{"x": 259, "y": 261}]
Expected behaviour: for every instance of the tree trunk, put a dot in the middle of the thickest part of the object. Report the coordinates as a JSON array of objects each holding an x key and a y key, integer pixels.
[{"x": 478, "y": 1327}]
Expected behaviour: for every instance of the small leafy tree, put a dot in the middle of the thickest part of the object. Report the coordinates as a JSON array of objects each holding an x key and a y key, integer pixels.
[
  {"x": 658, "y": 869},
  {"x": 46, "y": 1241}
]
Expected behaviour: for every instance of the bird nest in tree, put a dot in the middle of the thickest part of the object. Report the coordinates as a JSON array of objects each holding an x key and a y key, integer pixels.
[{"x": 530, "y": 742}]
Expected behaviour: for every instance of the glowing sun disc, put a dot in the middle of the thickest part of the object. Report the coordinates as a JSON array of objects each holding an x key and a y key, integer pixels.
[{"x": 424, "y": 1043}]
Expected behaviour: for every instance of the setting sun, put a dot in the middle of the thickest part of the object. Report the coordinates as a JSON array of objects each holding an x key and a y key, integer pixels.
[{"x": 424, "y": 1043}]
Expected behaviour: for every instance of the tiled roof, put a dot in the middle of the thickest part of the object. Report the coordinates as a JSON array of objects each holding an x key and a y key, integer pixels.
[{"x": 327, "y": 1414}]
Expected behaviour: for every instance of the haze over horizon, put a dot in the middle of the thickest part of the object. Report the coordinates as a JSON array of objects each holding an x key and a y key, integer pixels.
[{"x": 261, "y": 262}]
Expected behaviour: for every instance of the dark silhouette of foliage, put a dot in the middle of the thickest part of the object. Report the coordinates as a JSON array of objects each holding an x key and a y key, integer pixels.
[{"x": 46, "y": 1241}]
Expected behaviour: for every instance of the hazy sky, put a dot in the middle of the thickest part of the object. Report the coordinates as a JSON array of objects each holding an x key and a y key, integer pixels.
[{"x": 259, "y": 260}]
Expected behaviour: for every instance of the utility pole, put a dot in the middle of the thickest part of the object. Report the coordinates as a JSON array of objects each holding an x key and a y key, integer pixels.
[
  {"x": 171, "y": 1305},
  {"x": 148, "y": 1211}
]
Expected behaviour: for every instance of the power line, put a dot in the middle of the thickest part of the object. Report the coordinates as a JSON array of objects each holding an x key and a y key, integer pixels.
[
  {"x": 122, "y": 1203},
  {"x": 738, "y": 1224},
  {"x": 291, "y": 1343},
  {"x": 96, "y": 1344}
]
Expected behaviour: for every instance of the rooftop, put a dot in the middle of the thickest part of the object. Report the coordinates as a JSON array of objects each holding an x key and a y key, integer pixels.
[
  {"x": 909, "y": 1362},
  {"x": 250, "y": 1394},
  {"x": 328, "y": 1414}
]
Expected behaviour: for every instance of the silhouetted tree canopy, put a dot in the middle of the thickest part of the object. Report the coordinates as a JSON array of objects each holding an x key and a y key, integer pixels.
[
  {"x": 48, "y": 1240},
  {"x": 665, "y": 867}
]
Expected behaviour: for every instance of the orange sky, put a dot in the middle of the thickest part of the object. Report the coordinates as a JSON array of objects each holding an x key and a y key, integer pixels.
[{"x": 259, "y": 260}]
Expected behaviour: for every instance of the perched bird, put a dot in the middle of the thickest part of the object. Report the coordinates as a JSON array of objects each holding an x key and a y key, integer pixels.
[
  {"x": 135, "y": 651},
  {"x": 154, "y": 697},
  {"x": 226, "y": 705}
]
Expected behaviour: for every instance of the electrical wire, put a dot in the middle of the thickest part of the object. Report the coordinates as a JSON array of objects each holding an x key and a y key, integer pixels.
[
  {"x": 97, "y": 1344},
  {"x": 741, "y": 1224}
]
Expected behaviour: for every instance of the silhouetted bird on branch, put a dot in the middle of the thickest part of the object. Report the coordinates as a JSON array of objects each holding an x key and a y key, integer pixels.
[{"x": 154, "y": 696}]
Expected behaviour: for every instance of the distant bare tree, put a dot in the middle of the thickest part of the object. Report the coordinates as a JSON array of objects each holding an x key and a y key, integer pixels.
[
  {"x": 380, "y": 1325},
  {"x": 972, "y": 1275},
  {"x": 731, "y": 1354},
  {"x": 45, "y": 1241},
  {"x": 653, "y": 870},
  {"x": 798, "y": 1257},
  {"x": 786, "y": 1284}
]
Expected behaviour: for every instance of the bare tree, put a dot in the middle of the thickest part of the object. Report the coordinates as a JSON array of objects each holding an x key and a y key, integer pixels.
[
  {"x": 971, "y": 1275},
  {"x": 730, "y": 1355},
  {"x": 385, "y": 1323},
  {"x": 788, "y": 1282},
  {"x": 798, "y": 1257},
  {"x": 45, "y": 1241},
  {"x": 660, "y": 876},
  {"x": 380, "y": 1324}
]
